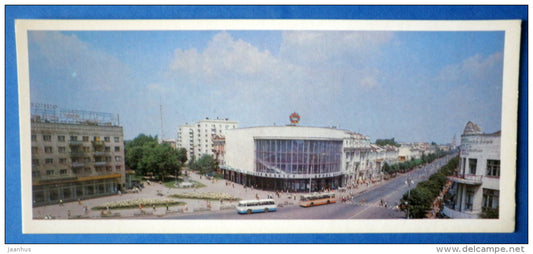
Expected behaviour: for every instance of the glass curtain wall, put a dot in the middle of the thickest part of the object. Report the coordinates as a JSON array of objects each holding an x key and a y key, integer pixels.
[{"x": 298, "y": 156}]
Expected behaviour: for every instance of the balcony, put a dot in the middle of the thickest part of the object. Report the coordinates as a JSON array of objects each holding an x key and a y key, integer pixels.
[
  {"x": 78, "y": 164},
  {"x": 454, "y": 214},
  {"x": 467, "y": 179},
  {"x": 75, "y": 142},
  {"x": 98, "y": 143},
  {"x": 100, "y": 163}
]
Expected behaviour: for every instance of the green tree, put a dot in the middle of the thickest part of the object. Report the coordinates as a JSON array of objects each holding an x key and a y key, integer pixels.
[
  {"x": 384, "y": 142},
  {"x": 205, "y": 165},
  {"x": 162, "y": 160},
  {"x": 145, "y": 155}
]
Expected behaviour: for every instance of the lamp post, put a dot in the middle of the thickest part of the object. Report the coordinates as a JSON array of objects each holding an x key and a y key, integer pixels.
[{"x": 408, "y": 182}]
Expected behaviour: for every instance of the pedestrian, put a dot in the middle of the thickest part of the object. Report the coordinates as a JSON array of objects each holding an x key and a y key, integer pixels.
[{"x": 61, "y": 202}]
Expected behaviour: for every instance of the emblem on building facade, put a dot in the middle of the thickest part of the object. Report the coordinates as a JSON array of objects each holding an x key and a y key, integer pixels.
[{"x": 295, "y": 118}]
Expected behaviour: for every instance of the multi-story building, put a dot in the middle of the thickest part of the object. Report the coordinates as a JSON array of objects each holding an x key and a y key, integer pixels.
[
  {"x": 197, "y": 138},
  {"x": 74, "y": 160},
  {"x": 476, "y": 184},
  {"x": 357, "y": 149}
]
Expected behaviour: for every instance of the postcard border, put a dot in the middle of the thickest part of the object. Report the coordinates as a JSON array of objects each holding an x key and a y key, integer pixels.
[{"x": 13, "y": 155}]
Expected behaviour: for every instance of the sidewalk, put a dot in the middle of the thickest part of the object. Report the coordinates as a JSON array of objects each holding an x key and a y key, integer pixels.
[{"x": 150, "y": 191}]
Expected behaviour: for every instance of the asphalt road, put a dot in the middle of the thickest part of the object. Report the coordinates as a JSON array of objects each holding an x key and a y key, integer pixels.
[{"x": 367, "y": 205}]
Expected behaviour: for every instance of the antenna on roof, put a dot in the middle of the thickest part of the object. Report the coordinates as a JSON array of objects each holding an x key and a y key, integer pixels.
[{"x": 161, "y": 115}]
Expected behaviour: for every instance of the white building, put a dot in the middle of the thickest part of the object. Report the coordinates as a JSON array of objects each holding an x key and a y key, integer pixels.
[
  {"x": 476, "y": 185},
  {"x": 285, "y": 157},
  {"x": 197, "y": 138},
  {"x": 298, "y": 158}
]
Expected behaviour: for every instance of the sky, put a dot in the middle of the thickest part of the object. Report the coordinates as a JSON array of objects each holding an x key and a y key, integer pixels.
[{"x": 411, "y": 86}]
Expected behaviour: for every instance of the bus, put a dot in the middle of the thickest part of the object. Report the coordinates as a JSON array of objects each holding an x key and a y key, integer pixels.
[
  {"x": 317, "y": 199},
  {"x": 256, "y": 206}
]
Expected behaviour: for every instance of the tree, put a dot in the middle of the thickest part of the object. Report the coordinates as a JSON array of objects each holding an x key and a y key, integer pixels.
[
  {"x": 384, "y": 142},
  {"x": 161, "y": 161},
  {"x": 145, "y": 155},
  {"x": 205, "y": 165}
]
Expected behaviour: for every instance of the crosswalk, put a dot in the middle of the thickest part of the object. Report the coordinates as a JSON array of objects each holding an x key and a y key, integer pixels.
[{"x": 371, "y": 204}]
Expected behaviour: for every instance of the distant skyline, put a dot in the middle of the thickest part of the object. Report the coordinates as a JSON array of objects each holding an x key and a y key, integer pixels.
[{"x": 413, "y": 86}]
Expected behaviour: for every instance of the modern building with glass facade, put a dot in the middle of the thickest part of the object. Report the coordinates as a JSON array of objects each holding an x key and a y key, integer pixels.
[{"x": 283, "y": 158}]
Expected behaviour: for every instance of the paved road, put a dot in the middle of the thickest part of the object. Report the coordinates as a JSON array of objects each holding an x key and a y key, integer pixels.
[{"x": 367, "y": 204}]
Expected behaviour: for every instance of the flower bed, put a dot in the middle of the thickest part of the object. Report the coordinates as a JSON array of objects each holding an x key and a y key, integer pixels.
[
  {"x": 134, "y": 203},
  {"x": 206, "y": 195}
]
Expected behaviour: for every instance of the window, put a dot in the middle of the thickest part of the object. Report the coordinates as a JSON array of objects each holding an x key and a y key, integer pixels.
[
  {"x": 117, "y": 148},
  {"x": 469, "y": 199},
  {"x": 85, "y": 138},
  {"x": 62, "y": 149},
  {"x": 49, "y": 172},
  {"x": 86, "y": 149},
  {"x": 62, "y": 171},
  {"x": 117, "y": 139},
  {"x": 49, "y": 161},
  {"x": 63, "y": 160},
  {"x": 35, "y": 162},
  {"x": 117, "y": 158},
  {"x": 34, "y": 150},
  {"x": 36, "y": 174},
  {"x": 107, "y": 139},
  {"x": 61, "y": 138},
  {"x": 108, "y": 149},
  {"x": 33, "y": 137},
  {"x": 118, "y": 168},
  {"x": 48, "y": 149},
  {"x": 493, "y": 168},
  {"x": 47, "y": 137},
  {"x": 490, "y": 199},
  {"x": 73, "y": 138},
  {"x": 472, "y": 164}
]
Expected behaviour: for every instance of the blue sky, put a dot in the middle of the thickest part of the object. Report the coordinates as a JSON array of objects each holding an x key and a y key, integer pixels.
[{"x": 413, "y": 86}]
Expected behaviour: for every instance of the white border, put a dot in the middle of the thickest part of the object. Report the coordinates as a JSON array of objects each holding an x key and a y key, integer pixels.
[{"x": 506, "y": 222}]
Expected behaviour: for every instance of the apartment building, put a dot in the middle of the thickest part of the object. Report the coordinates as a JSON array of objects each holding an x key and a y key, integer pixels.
[{"x": 198, "y": 138}]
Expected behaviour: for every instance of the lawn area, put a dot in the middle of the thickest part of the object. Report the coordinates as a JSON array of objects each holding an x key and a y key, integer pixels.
[
  {"x": 207, "y": 196},
  {"x": 134, "y": 203},
  {"x": 170, "y": 184}
]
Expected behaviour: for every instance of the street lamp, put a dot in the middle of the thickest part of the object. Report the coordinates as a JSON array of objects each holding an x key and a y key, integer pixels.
[{"x": 408, "y": 182}]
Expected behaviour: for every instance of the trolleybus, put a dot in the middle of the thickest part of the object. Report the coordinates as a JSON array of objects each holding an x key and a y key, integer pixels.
[{"x": 317, "y": 199}]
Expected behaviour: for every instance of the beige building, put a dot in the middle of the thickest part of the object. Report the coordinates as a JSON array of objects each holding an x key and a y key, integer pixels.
[{"x": 72, "y": 161}]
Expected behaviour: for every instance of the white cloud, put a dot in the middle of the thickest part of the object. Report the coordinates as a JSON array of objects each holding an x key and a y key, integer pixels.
[
  {"x": 67, "y": 61},
  {"x": 315, "y": 47},
  {"x": 473, "y": 69},
  {"x": 224, "y": 59}
]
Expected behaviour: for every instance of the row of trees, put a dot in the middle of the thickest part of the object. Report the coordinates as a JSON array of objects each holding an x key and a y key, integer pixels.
[
  {"x": 420, "y": 199},
  {"x": 146, "y": 156},
  {"x": 411, "y": 164}
]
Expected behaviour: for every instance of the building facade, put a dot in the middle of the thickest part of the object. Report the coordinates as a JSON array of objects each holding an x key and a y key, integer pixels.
[
  {"x": 476, "y": 184},
  {"x": 72, "y": 161},
  {"x": 198, "y": 138},
  {"x": 297, "y": 158}
]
